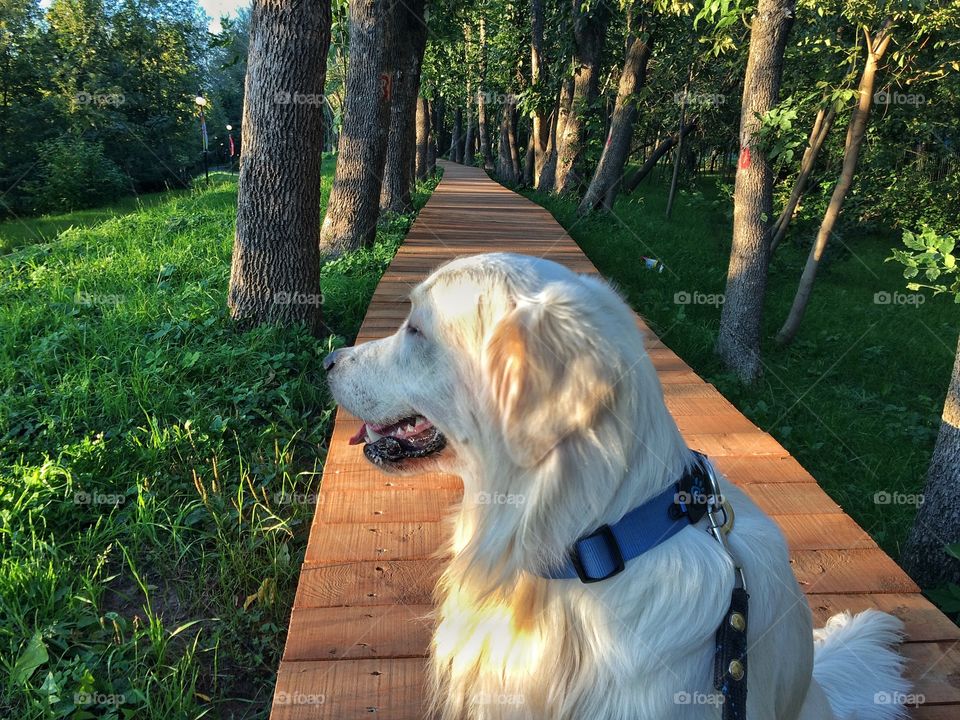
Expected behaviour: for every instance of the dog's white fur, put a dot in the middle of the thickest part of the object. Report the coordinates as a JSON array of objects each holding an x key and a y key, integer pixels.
[{"x": 556, "y": 422}]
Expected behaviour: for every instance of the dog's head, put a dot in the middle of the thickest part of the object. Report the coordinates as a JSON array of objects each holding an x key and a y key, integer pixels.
[{"x": 502, "y": 356}]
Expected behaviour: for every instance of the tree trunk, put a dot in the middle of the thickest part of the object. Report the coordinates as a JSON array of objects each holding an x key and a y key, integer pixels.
[
  {"x": 606, "y": 178},
  {"x": 529, "y": 164},
  {"x": 410, "y": 44},
  {"x": 423, "y": 138},
  {"x": 275, "y": 273},
  {"x": 354, "y": 205},
  {"x": 484, "y": 130},
  {"x": 738, "y": 343},
  {"x": 548, "y": 174},
  {"x": 938, "y": 517},
  {"x": 589, "y": 29},
  {"x": 679, "y": 154},
  {"x": 508, "y": 158},
  {"x": 818, "y": 134},
  {"x": 456, "y": 142},
  {"x": 661, "y": 149},
  {"x": 540, "y": 138},
  {"x": 432, "y": 148},
  {"x": 876, "y": 47},
  {"x": 469, "y": 140}
]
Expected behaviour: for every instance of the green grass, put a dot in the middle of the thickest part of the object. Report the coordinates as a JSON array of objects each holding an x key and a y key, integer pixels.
[
  {"x": 18, "y": 232},
  {"x": 156, "y": 466},
  {"x": 856, "y": 398}
]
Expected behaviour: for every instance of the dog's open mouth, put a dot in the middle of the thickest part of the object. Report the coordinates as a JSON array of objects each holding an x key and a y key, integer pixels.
[{"x": 409, "y": 437}]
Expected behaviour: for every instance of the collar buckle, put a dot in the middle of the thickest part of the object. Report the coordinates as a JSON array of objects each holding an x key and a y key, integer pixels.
[{"x": 610, "y": 540}]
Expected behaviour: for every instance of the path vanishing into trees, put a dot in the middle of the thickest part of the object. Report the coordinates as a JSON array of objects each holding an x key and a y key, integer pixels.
[{"x": 358, "y": 635}]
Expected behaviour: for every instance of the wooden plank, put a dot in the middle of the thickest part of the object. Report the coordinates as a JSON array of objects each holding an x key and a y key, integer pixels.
[
  {"x": 849, "y": 571},
  {"x": 384, "y": 631},
  {"x": 381, "y": 582},
  {"x": 791, "y": 498},
  {"x": 361, "y": 475},
  {"x": 374, "y": 541},
  {"x": 934, "y": 669},
  {"x": 736, "y": 443},
  {"x": 350, "y": 690},
  {"x": 747, "y": 469},
  {"x": 389, "y": 505},
  {"x": 823, "y": 532},
  {"x": 922, "y": 620}
]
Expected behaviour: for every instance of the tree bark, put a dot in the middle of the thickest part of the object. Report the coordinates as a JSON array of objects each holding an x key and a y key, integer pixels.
[
  {"x": 606, "y": 178},
  {"x": 275, "y": 272},
  {"x": 876, "y": 47},
  {"x": 738, "y": 343},
  {"x": 548, "y": 174},
  {"x": 423, "y": 138},
  {"x": 661, "y": 149},
  {"x": 818, "y": 134},
  {"x": 589, "y": 29},
  {"x": 529, "y": 163},
  {"x": 354, "y": 205},
  {"x": 456, "y": 142},
  {"x": 485, "y": 152},
  {"x": 938, "y": 518},
  {"x": 679, "y": 153},
  {"x": 410, "y": 44},
  {"x": 432, "y": 148},
  {"x": 469, "y": 139},
  {"x": 539, "y": 79},
  {"x": 508, "y": 158}
]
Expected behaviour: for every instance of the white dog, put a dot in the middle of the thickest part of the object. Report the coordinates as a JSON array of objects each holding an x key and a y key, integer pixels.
[{"x": 531, "y": 382}]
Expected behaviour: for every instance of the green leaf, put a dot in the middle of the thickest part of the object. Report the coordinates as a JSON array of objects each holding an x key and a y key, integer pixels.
[{"x": 33, "y": 656}]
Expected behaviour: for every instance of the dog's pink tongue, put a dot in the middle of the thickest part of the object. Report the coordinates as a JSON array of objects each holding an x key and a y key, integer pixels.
[{"x": 361, "y": 435}]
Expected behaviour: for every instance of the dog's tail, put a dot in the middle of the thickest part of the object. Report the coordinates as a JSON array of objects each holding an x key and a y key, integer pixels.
[{"x": 857, "y": 667}]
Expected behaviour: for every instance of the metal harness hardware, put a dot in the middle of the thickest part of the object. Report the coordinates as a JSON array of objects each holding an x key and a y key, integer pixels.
[{"x": 730, "y": 654}]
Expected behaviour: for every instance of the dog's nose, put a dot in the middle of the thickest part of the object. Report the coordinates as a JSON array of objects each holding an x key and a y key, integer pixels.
[{"x": 330, "y": 360}]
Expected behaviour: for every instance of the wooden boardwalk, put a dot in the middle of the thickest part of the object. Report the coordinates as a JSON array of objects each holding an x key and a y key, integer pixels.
[{"x": 358, "y": 639}]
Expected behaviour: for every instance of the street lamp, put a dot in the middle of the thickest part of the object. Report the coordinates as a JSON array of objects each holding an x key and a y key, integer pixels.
[{"x": 201, "y": 102}]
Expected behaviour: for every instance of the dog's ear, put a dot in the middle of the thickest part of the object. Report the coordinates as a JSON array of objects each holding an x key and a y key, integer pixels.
[{"x": 547, "y": 376}]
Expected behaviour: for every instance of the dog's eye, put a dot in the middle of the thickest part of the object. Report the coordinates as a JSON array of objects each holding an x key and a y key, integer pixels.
[{"x": 412, "y": 330}]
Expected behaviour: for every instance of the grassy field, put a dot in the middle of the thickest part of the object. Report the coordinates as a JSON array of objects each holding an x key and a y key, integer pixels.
[
  {"x": 157, "y": 469},
  {"x": 856, "y": 398},
  {"x": 16, "y": 232}
]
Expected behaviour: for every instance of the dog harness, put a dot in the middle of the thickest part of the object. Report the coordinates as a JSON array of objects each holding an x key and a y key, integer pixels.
[{"x": 604, "y": 553}]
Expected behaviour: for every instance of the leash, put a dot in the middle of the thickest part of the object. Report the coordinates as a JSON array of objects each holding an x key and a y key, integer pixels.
[{"x": 604, "y": 553}]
